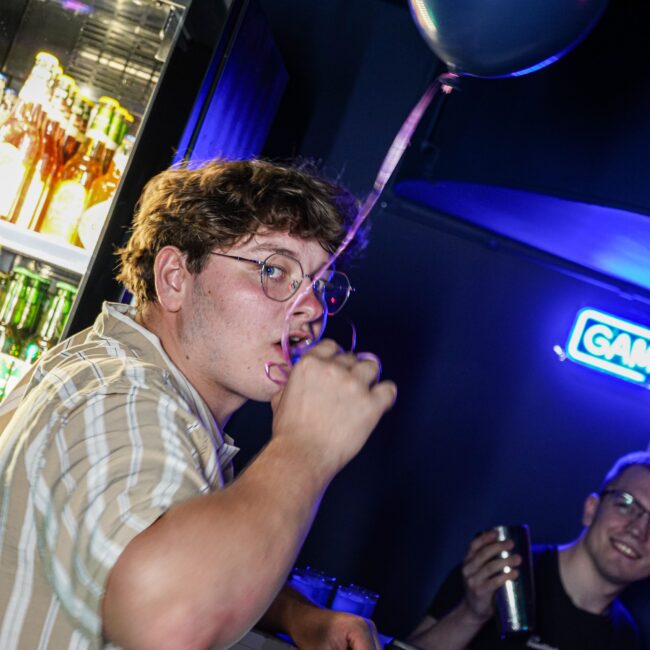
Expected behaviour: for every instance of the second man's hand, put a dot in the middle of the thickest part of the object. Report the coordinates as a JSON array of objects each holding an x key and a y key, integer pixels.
[{"x": 483, "y": 572}]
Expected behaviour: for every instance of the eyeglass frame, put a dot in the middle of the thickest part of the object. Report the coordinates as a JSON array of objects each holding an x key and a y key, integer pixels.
[
  {"x": 633, "y": 504},
  {"x": 262, "y": 264}
]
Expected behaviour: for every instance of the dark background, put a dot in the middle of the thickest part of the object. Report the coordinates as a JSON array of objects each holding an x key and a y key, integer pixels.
[{"x": 489, "y": 426}]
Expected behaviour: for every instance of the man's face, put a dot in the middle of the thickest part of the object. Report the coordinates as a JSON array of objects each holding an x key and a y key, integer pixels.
[
  {"x": 231, "y": 329},
  {"x": 618, "y": 543}
]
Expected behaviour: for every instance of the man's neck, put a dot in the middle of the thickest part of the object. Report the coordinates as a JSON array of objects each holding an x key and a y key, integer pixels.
[{"x": 585, "y": 586}]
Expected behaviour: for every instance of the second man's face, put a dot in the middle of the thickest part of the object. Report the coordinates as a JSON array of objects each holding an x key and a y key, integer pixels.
[{"x": 619, "y": 543}]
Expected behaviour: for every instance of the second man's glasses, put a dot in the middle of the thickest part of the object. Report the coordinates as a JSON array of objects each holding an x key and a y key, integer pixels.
[
  {"x": 281, "y": 276},
  {"x": 626, "y": 504}
]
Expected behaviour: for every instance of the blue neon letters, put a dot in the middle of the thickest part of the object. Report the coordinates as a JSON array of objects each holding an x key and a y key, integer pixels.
[{"x": 611, "y": 344}]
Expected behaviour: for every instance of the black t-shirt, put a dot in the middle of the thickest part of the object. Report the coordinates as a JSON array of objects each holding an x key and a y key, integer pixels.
[{"x": 560, "y": 625}]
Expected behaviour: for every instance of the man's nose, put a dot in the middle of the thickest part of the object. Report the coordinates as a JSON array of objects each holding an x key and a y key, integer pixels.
[{"x": 308, "y": 304}]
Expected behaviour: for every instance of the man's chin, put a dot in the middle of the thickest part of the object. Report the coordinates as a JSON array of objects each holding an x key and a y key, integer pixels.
[
  {"x": 264, "y": 392},
  {"x": 622, "y": 576}
]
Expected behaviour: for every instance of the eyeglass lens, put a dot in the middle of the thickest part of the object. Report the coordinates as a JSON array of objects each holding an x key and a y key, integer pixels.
[
  {"x": 627, "y": 504},
  {"x": 336, "y": 292},
  {"x": 282, "y": 276}
]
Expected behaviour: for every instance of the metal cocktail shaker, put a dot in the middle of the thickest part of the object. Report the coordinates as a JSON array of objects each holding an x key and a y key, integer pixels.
[{"x": 515, "y": 600}]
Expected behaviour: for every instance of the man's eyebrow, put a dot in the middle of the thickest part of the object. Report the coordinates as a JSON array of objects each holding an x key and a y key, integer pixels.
[{"x": 270, "y": 247}]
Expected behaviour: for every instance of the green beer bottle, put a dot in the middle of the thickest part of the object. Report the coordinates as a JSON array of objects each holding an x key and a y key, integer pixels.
[
  {"x": 6, "y": 371},
  {"x": 52, "y": 322},
  {"x": 13, "y": 304},
  {"x": 24, "y": 320},
  {"x": 4, "y": 285}
]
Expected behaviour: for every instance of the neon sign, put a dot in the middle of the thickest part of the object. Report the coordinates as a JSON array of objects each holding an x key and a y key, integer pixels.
[{"x": 612, "y": 345}]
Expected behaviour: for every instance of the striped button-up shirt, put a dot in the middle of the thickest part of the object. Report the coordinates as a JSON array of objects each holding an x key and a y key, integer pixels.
[{"x": 106, "y": 434}]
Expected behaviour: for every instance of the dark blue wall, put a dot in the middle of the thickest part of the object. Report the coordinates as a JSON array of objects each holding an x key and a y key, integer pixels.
[{"x": 489, "y": 427}]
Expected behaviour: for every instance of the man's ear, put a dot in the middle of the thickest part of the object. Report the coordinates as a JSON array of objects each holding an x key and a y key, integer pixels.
[
  {"x": 172, "y": 278},
  {"x": 590, "y": 508}
]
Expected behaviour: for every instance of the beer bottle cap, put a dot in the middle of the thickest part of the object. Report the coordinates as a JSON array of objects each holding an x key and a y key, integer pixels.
[
  {"x": 64, "y": 286},
  {"x": 109, "y": 100},
  {"x": 47, "y": 58}
]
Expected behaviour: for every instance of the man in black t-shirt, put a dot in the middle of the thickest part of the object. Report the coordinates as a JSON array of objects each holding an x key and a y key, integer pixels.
[{"x": 576, "y": 585}]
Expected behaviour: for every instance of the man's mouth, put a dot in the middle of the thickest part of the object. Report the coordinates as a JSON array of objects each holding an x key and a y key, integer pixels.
[
  {"x": 625, "y": 549},
  {"x": 297, "y": 342}
]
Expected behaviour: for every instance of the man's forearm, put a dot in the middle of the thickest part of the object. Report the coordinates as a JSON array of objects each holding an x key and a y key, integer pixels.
[
  {"x": 285, "y": 609},
  {"x": 207, "y": 570}
]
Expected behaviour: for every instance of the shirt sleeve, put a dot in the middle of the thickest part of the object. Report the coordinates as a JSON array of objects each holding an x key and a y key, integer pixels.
[
  {"x": 99, "y": 476},
  {"x": 448, "y": 595}
]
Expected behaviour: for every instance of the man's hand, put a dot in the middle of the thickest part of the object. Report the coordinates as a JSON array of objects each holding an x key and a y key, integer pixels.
[
  {"x": 314, "y": 628},
  {"x": 483, "y": 573},
  {"x": 324, "y": 629},
  {"x": 330, "y": 405}
]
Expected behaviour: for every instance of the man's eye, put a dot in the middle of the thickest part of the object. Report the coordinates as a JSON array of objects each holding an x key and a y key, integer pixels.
[
  {"x": 624, "y": 506},
  {"x": 274, "y": 272}
]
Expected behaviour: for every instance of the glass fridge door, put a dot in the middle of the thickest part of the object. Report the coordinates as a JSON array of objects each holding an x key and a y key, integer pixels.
[{"x": 88, "y": 88}]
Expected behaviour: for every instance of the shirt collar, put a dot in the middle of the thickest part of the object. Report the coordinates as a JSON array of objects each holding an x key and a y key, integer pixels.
[{"x": 125, "y": 316}]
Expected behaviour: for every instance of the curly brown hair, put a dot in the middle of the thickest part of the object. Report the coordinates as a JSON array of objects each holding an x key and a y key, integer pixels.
[{"x": 222, "y": 202}]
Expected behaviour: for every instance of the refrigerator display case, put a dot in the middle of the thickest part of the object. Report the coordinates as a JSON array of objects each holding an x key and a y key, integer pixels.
[{"x": 190, "y": 79}]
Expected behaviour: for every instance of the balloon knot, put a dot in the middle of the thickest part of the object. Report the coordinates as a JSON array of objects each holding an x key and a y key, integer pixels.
[{"x": 449, "y": 81}]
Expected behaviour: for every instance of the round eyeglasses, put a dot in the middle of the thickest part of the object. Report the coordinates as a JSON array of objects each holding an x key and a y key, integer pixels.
[{"x": 281, "y": 276}]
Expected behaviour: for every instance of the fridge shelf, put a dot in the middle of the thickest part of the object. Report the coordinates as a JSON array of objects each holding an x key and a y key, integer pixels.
[{"x": 43, "y": 248}]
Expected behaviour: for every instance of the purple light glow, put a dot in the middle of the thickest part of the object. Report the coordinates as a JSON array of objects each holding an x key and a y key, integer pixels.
[
  {"x": 76, "y": 6},
  {"x": 608, "y": 240}
]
